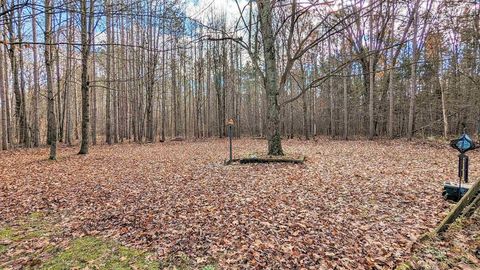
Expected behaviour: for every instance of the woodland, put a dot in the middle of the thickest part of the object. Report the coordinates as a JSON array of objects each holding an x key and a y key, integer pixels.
[
  {"x": 111, "y": 71},
  {"x": 115, "y": 117}
]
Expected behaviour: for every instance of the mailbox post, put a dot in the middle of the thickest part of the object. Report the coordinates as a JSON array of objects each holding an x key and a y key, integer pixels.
[{"x": 230, "y": 124}]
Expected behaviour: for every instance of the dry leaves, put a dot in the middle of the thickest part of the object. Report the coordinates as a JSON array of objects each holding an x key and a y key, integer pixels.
[{"x": 354, "y": 205}]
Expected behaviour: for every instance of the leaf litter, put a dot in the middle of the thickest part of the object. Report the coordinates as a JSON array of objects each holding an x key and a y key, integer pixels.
[{"x": 352, "y": 205}]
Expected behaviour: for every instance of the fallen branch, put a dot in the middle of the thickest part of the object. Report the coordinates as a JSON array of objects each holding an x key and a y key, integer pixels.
[
  {"x": 272, "y": 159},
  {"x": 457, "y": 211}
]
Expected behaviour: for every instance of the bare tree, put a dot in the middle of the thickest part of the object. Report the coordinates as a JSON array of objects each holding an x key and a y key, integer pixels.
[
  {"x": 52, "y": 123},
  {"x": 86, "y": 39}
]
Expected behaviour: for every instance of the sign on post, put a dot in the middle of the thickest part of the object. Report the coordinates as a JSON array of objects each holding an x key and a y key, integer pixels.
[
  {"x": 230, "y": 124},
  {"x": 463, "y": 144}
]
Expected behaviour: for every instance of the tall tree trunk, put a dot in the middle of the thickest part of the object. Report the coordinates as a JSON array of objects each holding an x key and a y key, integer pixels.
[
  {"x": 69, "y": 77},
  {"x": 217, "y": 83},
  {"x": 444, "y": 108},
  {"x": 164, "y": 80},
  {"x": 19, "y": 116},
  {"x": 390, "y": 79},
  {"x": 413, "y": 79},
  {"x": 271, "y": 79},
  {"x": 114, "y": 93},
  {"x": 304, "y": 103},
  {"x": 60, "y": 113},
  {"x": 24, "y": 132},
  {"x": 108, "y": 111},
  {"x": 7, "y": 98},
  {"x": 3, "y": 109},
  {"x": 330, "y": 91},
  {"x": 185, "y": 94},
  {"x": 85, "y": 39},
  {"x": 52, "y": 123},
  {"x": 151, "y": 66},
  {"x": 345, "y": 103},
  {"x": 391, "y": 99},
  {"x": 36, "y": 82},
  {"x": 173, "y": 69},
  {"x": 371, "y": 73},
  {"x": 93, "y": 93}
]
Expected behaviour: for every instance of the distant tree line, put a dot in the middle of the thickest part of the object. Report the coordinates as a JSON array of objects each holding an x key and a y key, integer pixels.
[{"x": 107, "y": 71}]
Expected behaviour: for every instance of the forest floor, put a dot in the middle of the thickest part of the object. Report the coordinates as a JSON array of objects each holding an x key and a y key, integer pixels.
[
  {"x": 457, "y": 248},
  {"x": 352, "y": 205}
]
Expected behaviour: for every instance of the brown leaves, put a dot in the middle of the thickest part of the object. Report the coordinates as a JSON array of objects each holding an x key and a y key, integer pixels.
[{"x": 352, "y": 205}]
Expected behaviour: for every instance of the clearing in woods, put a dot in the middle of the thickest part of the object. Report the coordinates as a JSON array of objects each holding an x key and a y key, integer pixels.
[{"x": 353, "y": 204}]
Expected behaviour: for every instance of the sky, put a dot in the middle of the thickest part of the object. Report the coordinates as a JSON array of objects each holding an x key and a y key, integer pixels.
[{"x": 201, "y": 9}]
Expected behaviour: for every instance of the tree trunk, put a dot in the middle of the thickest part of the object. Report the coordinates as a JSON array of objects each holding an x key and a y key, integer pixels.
[
  {"x": 164, "y": 86},
  {"x": 108, "y": 111},
  {"x": 371, "y": 73},
  {"x": 93, "y": 93},
  {"x": 444, "y": 108},
  {"x": 36, "y": 82},
  {"x": 413, "y": 80},
  {"x": 114, "y": 93},
  {"x": 345, "y": 104},
  {"x": 52, "y": 123},
  {"x": 24, "y": 134},
  {"x": 330, "y": 91},
  {"x": 85, "y": 39},
  {"x": 390, "y": 100},
  {"x": 3, "y": 109},
  {"x": 7, "y": 99},
  {"x": 271, "y": 79},
  {"x": 70, "y": 75},
  {"x": 16, "y": 84}
]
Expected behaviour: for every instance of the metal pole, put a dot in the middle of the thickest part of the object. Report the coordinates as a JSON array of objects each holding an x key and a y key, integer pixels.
[
  {"x": 465, "y": 169},
  {"x": 460, "y": 174},
  {"x": 230, "y": 139}
]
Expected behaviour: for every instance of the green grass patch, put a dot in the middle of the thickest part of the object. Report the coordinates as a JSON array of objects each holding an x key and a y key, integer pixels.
[
  {"x": 404, "y": 266},
  {"x": 6, "y": 234},
  {"x": 93, "y": 252},
  {"x": 3, "y": 249},
  {"x": 181, "y": 261},
  {"x": 79, "y": 253},
  {"x": 31, "y": 227},
  {"x": 436, "y": 253}
]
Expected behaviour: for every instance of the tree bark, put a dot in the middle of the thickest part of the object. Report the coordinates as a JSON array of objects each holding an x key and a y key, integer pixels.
[
  {"x": 7, "y": 99},
  {"x": 108, "y": 111},
  {"x": 3, "y": 109},
  {"x": 345, "y": 104},
  {"x": 36, "y": 82},
  {"x": 271, "y": 79},
  {"x": 52, "y": 123},
  {"x": 93, "y": 92},
  {"x": 371, "y": 80},
  {"x": 24, "y": 131},
  {"x": 330, "y": 92},
  {"x": 86, "y": 38},
  {"x": 19, "y": 115},
  {"x": 413, "y": 79}
]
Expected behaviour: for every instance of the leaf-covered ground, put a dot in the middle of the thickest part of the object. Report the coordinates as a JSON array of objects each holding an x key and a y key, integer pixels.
[
  {"x": 354, "y": 205},
  {"x": 458, "y": 248}
]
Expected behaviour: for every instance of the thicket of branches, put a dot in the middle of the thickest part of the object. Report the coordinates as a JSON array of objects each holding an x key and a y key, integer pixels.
[{"x": 108, "y": 71}]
